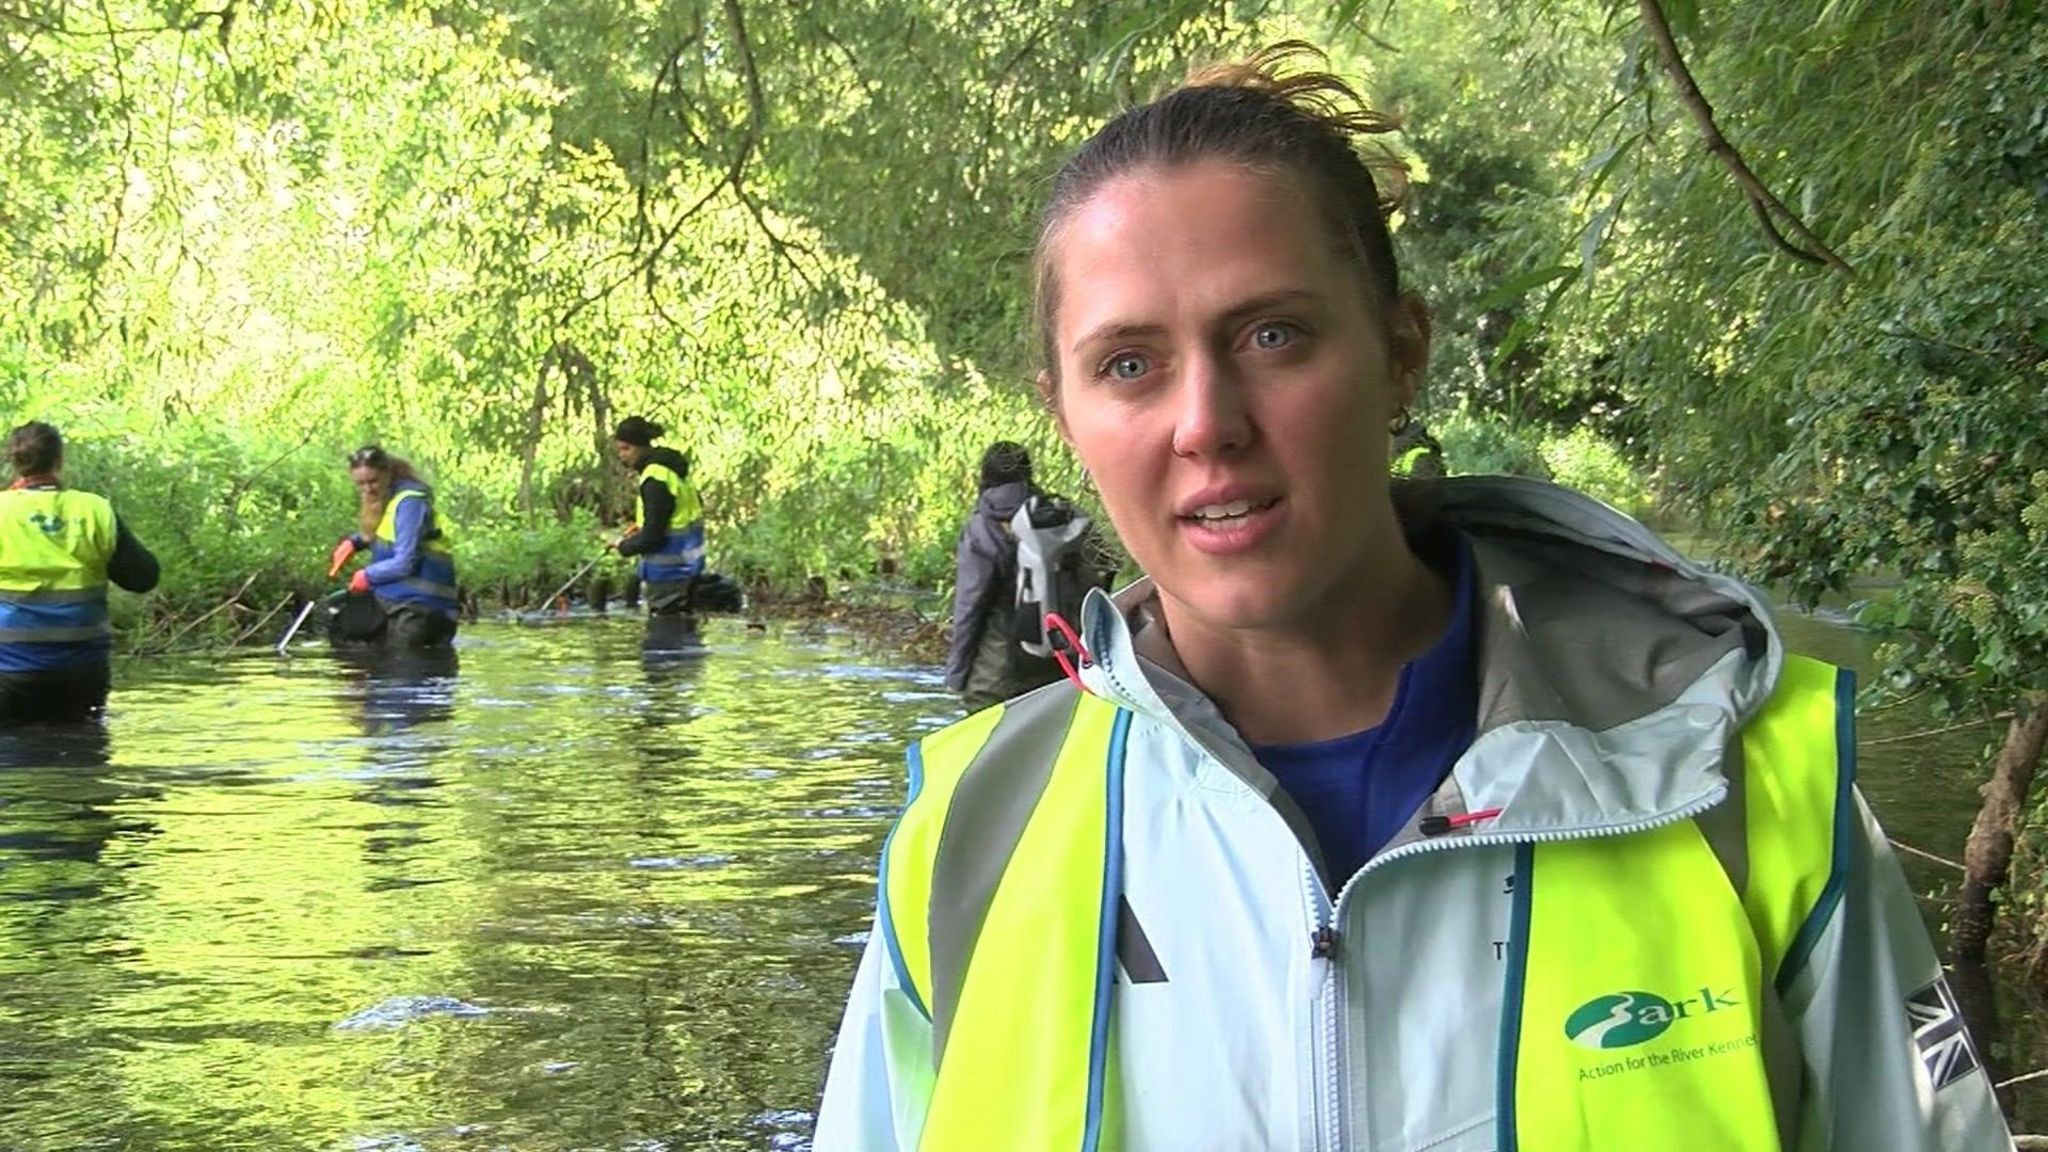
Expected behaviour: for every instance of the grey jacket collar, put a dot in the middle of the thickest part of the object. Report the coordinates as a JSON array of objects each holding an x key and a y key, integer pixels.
[{"x": 1614, "y": 672}]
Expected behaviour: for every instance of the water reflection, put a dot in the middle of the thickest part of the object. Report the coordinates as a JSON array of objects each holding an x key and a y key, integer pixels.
[
  {"x": 397, "y": 688},
  {"x": 585, "y": 889}
]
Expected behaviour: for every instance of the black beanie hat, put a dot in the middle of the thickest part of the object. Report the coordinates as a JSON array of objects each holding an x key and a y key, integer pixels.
[
  {"x": 637, "y": 430},
  {"x": 1005, "y": 462}
]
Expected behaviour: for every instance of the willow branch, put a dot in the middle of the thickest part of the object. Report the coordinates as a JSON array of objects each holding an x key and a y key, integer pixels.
[
  {"x": 225, "y": 16},
  {"x": 1770, "y": 227},
  {"x": 1767, "y": 204},
  {"x": 757, "y": 126},
  {"x": 205, "y": 616},
  {"x": 1943, "y": 731},
  {"x": 853, "y": 64},
  {"x": 640, "y": 227},
  {"x": 252, "y": 629},
  {"x": 645, "y": 265}
]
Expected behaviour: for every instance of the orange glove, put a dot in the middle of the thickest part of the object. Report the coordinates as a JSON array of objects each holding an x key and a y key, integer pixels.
[
  {"x": 340, "y": 556},
  {"x": 360, "y": 582}
]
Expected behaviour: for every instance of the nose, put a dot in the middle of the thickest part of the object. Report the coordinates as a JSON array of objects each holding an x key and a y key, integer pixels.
[{"x": 1212, "y": 419}]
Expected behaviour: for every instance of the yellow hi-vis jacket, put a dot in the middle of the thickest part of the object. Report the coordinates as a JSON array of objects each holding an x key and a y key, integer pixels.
[
  {"x": 1100, "y": 927},
  {"x": 54, "y": 548}
]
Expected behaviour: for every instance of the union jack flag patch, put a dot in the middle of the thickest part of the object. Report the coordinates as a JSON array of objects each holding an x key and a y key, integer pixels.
[{"x": 1939, "y": 1034}]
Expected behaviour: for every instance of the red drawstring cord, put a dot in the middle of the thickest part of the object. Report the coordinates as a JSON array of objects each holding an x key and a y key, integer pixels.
[
  {"x": 1065, "y": 631},
  {"x": 1438, "y": 825}
]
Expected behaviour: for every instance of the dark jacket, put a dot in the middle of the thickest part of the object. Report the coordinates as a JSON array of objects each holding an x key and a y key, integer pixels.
[{"x": 985, "y": 578}]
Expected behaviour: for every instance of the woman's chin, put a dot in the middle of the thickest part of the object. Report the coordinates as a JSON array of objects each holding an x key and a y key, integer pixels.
[{"x": 1240, "y": 603}]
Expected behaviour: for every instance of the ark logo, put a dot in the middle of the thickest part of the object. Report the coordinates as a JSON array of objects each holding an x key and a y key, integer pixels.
[
  {"x": 50, "y": 525},
  {"x": 1625, "y": 1019}
]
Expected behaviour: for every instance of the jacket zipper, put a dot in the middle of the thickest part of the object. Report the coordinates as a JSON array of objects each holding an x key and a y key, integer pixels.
[
  {"x": 1323, "y": 944},
  {"x": 1327, "y": 942}
]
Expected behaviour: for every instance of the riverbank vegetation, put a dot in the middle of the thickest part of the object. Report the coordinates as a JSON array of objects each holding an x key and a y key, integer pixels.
[{"x": 1778, "y": 266}]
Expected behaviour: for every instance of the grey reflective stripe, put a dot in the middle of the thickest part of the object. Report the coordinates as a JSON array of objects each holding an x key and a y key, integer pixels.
[
  {"x": 1784, "y": 1068},
  {"x": 55, "y": 595},
  {"x": 55, "y": 635},
  {"x": 991, "y": 805},
  {"x": 427, "y": 588},
  {"x": 1725, "y": 828}
]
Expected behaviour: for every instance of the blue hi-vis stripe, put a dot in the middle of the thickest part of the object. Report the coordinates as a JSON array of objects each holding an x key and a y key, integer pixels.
[
  {"x": 885, "y": 918},
  {"x": 1105, "y": 934},
  {"x": 19, "y": 617},
  {"x": 689, "y": 540}
]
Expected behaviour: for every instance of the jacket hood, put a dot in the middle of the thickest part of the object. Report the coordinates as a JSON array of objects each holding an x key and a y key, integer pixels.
[
  {"x": 675, "y": 461},
  {"x": 1614, "y": 672},
  {"x": 1002, "y": 501}
]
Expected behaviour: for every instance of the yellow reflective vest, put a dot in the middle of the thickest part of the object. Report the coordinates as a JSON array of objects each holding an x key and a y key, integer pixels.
[
  {"x": 54, "y": 548},
  {"x": 681, "y": 554},
  {"x": 1611, "y": 939}
]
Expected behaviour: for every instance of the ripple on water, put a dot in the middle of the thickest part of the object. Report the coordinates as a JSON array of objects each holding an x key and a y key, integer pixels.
[
  {"x": 680, "y": 863},
  {"x": 399, "y": 1011}
]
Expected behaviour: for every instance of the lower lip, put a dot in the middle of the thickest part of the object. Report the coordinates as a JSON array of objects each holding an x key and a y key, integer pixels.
[{"x": 1229, "y": 537}]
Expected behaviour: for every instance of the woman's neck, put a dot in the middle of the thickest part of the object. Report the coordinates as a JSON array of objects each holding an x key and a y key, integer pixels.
[
  {"x": 38, "y": 480},
  {"x": 1334, "y": 674}
]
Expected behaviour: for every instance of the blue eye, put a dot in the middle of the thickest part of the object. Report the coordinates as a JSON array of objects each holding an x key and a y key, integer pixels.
[
  {"x": 1273, "y": 335},
  {"x": 1127, "y": 366}
]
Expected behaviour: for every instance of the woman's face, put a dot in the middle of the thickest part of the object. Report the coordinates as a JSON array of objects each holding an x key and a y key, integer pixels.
[
  {"x": 1225, "y": 374},
  {"x": 370, "y": 483},
  {"x": 628, "y": 454}
]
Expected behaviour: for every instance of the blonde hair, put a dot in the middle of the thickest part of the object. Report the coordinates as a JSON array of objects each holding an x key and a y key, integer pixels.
[{"x": 370, "y": 514}]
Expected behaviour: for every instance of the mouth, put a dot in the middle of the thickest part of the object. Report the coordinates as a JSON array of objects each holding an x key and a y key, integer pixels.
[
  {"x": 1230, "y": 527},
  {"x": 1227, "y": 513}
]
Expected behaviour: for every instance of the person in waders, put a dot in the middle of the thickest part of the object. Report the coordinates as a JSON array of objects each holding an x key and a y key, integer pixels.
[
  {"x": 59, "y": 549},
  {"x": 667, "y": 534},
  {"x": 410, "y": 579},
  {"x": 991, "y": 654},
  {"x": 1460, "y": 815}
]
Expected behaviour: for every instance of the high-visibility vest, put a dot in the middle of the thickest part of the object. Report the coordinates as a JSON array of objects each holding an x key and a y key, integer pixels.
[
  {"x": 681, "y": 555},
  {"x": 432, "y": 583},
  {"x": 1006, "y": 856},
  {"x": 54, "y": 548}
]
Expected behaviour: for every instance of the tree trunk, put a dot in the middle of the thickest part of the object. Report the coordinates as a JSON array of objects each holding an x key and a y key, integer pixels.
[
  {"x": 1977, "y": 998},
  {"x": 536, "y": 414},
  {"x": 1988, "y": 856}
]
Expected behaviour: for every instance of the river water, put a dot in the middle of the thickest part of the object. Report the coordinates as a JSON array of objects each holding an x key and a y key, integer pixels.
[{"x": 572, "y": 894}]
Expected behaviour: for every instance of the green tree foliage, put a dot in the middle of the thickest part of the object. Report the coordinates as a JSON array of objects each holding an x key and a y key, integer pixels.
[
  {"x": 241, "y": 240},
  {"x": 1837, "y": 426},
  {"x": 481, "y": 235}
]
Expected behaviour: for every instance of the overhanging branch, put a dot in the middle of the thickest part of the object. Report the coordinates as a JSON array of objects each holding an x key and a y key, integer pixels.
[{"x": 1769, "y": 208}]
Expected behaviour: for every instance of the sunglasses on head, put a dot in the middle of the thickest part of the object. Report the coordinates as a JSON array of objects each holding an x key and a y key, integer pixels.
[{"x": 367, "y": 457}]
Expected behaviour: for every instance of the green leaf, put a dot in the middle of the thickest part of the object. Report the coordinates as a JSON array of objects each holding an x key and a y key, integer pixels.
[
  {"x": 1684, "y": 18},
  {"x": 1596, "y": 230},
  {"x": 1526, "y": 282}
]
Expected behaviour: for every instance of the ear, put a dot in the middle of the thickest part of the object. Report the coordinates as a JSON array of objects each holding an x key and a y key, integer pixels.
[
  {"x": 1049, "y": 394},
  {"x": 1410, "y": 327}
]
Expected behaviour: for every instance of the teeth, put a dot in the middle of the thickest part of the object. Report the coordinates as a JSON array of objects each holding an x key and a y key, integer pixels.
[{"x": 1228, "y": 511}]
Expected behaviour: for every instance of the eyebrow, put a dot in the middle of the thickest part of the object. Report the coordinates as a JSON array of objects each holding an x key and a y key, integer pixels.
[{"x": 1117, "y": 330}]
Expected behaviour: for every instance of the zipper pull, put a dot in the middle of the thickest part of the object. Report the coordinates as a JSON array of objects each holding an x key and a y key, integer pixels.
[
  {"x": 1438, "y": 825},
  {"x": 1323, "y": 943}
]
